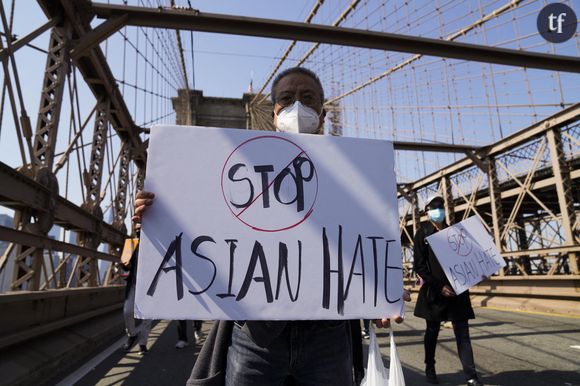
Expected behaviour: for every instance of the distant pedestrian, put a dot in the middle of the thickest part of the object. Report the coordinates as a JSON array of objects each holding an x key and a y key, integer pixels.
[
  {"x": 365, "y": 330},
  {"x": 182, "y": 333},
  {"x": 437, "y": 302},
  {"x": 129, "y": 307}
]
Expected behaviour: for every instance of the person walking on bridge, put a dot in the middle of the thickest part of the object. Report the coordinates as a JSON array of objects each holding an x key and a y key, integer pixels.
[
  {"x": 437, "y": 301},
  {"x": 133, "y": 334}
]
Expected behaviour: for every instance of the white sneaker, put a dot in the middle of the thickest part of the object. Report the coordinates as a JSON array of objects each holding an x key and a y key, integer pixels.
[
  {"x": 198, "y": 335},
  {"x": 181, "y": 344}
]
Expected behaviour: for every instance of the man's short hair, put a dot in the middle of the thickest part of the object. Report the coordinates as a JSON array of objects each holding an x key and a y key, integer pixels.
[{"x": 295, "y": 70}]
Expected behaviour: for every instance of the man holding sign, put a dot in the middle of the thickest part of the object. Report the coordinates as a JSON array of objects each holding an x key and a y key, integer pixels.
[
  {"x": 437, "y": 300},
  {"x": 262, "y": 352}
]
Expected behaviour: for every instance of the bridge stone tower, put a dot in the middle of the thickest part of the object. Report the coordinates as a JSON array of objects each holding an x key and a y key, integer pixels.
[{"x": 193, "y": 108}]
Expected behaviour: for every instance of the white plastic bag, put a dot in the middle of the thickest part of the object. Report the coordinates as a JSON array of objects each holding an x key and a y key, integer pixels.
[
  {"x": 396, "y": 377},
  {"x": 376, "y": 374}
]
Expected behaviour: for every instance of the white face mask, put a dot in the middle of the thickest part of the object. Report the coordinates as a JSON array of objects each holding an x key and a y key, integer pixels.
[{"x": 298, "y": 119}]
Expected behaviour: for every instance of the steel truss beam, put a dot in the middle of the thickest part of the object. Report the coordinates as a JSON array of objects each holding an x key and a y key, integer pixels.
[
  {"x": 561, "y": 171},
  {"x": 193, "y": 20},
  {"x": 57, "y": 67},
  {"x": 541, "y": 189},
  {"x": 28, "y": 261},
  {"x": 511, "y": 192},
  {"x": 140, "y": 182},
  {"x": 514, "y": 192},
  {"x": 47, "y": 243},
  {"x": 120, "y": 202},
  {"x": 434, "y": 147},
  {"x": 33, "y": 192},
  {"x": 95, "y": 70},
  {"x": 545, "y": 251},
  {"x": 497, "y": 217},
  {"x": 95, "y": 175},
  {"x": 536, "y": 130},
  {"x": 446, "y": 192},
  {"x": 18, "y": 191},
  {"x": 86, "y": 267}
]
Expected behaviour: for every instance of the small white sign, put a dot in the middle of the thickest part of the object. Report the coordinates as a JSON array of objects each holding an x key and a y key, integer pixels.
[
  {"x": 251, "y": 225},
  {"x": 466, "y": 253}
]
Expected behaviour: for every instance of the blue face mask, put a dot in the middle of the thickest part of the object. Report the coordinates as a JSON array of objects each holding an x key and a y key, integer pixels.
[{"x": 436, "y": 215}]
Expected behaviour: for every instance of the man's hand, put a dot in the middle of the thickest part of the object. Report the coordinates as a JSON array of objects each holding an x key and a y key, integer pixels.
[
  {"x": 142, "y": 201},
  {"x": 447, "y": 291},
  {"x": 386, "y": 322}
]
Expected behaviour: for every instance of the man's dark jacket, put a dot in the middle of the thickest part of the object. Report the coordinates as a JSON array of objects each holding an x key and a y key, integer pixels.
[{"x": 431, "y": 304}]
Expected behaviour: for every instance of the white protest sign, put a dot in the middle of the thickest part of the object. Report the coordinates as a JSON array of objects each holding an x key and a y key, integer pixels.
[
  {"x": 466, "y": 253},
  {"x": 250, "y": 225}
]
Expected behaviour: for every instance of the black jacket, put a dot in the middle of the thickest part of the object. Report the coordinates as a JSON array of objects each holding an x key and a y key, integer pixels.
[{"x": 431, "y": 304}]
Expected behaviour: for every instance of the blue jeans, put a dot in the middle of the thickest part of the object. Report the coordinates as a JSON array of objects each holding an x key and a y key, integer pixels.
[{"x": 316, "y": 353}]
